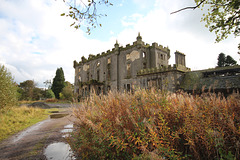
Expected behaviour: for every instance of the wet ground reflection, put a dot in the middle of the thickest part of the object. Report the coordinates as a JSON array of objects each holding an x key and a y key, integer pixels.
[{"x": 58, "y": 151}]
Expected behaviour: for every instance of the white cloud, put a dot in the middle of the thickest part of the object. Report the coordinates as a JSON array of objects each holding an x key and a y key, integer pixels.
[
  {"x": 182, "y": 31},
  {"x": 35, "y": 40}
]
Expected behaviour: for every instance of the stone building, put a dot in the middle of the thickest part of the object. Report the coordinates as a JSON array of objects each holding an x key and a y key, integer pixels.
[{"x": 139, "y": 65}]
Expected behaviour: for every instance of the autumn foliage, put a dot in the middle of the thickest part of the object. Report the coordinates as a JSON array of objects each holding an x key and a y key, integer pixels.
[{"x": 150, "y": 124}]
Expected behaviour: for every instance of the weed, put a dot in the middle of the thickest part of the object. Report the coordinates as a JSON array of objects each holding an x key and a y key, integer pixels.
[{"x": 154, "y": 125}]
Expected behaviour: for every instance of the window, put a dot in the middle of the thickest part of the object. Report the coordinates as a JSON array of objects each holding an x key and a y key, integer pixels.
[
  {"x": 79, "y": 78},
  {"x": 144, "y": 65},
  {"x": 129, "y": 70},
  {"x": 98, "y": 74},
  {"x": 144, "y": 55},
  {"x": 109, "y": 69},
  {"x": 87, "y": 76},
  {"x": 109, "y": 88},
  {"x": 98, "y": 63},
  {"x": 79, "y": 69},
  {"x": 127, "y": 56},
  {"x": 109, "y": 61},
  {"x": 128, "y": 87}
]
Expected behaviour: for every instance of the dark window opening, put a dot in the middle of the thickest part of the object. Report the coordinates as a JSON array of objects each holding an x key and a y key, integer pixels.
[
  {"x": 98, "y": 75},
  {"x": 128, "y": 87},
  {"x": 144, "y": 65}
]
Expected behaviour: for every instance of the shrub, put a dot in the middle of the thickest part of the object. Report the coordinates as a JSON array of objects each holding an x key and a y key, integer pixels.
[
  {"x": 8, "y": 89},
  {"x": 50, "y": 94},
  {"x": 156, "y": 125}
]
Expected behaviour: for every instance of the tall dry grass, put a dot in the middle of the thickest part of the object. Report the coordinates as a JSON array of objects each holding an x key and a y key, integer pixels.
[{"x": 156, "y": 125}]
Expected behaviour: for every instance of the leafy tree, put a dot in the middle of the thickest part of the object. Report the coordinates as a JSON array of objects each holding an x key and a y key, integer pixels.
[
  {"x": 85, "y": 12},
  {"x": 223, "y": 17},
  {"x": 224, "y": 61},
  {"x": 27, "y": 89},
  {"x": 230, "y": 61},
  {"x": 38, "y": 93},
  {"x": 58, "y": 82},
  {"x": 67, "y": 92},
  {"x": 221, "y": 60},
  {"x": 50, "y": 94},
  {"x": 8, "y": 88}
]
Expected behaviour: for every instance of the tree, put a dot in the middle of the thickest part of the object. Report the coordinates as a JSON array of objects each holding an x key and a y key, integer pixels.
[
  {"x": 230, "y": 61},
  {"x": 223, "y": 17},
  {"x": 224, "y": 61},
  {"x": 221, "y": 60},
  {"x": 67, "y": 92},
  {"x": 27, "y": 87},
  {"x": 58, "y": 82},
  {"x": 8, "y": 88},
  {"x": 85, "y": 13},
  {"x": 50, "y": 94}
]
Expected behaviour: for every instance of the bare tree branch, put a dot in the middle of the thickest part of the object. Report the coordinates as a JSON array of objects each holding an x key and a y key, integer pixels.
[{"x": 189, "y": 7}]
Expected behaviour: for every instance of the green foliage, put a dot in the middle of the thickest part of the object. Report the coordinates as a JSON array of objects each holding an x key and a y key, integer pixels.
[
  {"x": 230, "y": 61},
  {"x": 221, "y": 60},
  {"x": 155, "y": 125},
  {"x": 224, "y": 61},
  {"x": 67, "y": 92},
  {"x": 58, "y": 82},
  {"x": 27, "y": 90},
  {"x": 85, "y": 12},
  {"x": 223, "y": 17},
  {"x": 50, "y": 94},
  {"x": 8, "y": 89}
]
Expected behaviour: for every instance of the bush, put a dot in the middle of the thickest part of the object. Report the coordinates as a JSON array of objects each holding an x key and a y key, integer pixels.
[
  {"x": 155, "y": 125},
  {"x": 50, "y": 94},
  {"x": 67, "y": 92},
  {"x": 8, "y": 89}
]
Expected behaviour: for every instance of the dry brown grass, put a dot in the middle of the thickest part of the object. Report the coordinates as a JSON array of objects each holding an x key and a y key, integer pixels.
[{"x": 156, "y": 125}]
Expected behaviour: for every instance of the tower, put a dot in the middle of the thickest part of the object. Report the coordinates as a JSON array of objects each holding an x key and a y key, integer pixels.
[{"x": 180, "y": 58}]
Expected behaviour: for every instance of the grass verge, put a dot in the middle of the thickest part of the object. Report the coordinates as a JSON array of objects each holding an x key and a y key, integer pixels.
[{"x": 15, "y": 119}]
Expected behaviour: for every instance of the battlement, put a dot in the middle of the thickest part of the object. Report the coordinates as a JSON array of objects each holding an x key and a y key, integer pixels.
[
  {"x": 169, "y": 68},
  {"x": 120, "y": 48}
]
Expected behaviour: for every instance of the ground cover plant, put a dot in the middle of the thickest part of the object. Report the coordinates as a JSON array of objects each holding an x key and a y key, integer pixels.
[
  {"x": 150, "y": 124},
  {"x": 15, "y": 119}
]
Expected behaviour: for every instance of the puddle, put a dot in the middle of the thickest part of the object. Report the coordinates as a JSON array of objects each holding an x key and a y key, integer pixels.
[
  {"x": 69, "y": 126},
  {"x": 58, "y": 151},
  {"x": 55, "y": 116},
  {"x": 67, "y": 129},
  {"x": 53, "y": 111}
]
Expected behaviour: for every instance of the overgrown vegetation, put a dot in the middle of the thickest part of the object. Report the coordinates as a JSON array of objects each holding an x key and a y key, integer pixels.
[
  {"x": 156, "y": 125},
  {"x": 8, "y": 89},
  {"x": 15, "y": 119}
]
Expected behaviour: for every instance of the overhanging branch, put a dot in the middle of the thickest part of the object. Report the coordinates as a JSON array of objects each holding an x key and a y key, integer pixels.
[{"x": 189, "y": 7}]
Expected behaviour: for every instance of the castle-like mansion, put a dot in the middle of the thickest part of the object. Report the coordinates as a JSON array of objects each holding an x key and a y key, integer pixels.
[{"x": 141, "y": 65}]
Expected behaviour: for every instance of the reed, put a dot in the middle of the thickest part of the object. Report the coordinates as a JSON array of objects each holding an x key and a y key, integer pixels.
[{"x": 151, "y": 124}]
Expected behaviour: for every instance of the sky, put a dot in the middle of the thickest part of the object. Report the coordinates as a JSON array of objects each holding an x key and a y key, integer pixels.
[{"x": 35, "y": 40}]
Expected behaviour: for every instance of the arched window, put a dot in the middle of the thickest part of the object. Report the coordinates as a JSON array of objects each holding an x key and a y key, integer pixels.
[{"x": 144, "y": 55}]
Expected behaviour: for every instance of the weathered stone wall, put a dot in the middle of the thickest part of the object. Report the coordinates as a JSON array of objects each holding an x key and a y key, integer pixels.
[
  {"x": 219, "y": 79},
  {"x": 124, "y": 64}
]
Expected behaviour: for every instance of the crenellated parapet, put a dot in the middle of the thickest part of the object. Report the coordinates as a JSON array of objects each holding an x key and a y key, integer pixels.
[
  {"x": 118, "y": 48},
  {"x": 169, "y": 68}
]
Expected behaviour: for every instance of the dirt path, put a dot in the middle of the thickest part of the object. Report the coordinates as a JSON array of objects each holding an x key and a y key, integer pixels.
[{"x": 30, "y": 143}]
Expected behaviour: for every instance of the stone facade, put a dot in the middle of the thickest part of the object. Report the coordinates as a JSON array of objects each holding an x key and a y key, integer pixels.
[{"x": 125, "y": 68}]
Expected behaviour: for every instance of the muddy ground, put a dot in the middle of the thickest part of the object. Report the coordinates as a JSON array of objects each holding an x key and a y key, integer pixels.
[{"x": 30, "y": 143}]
